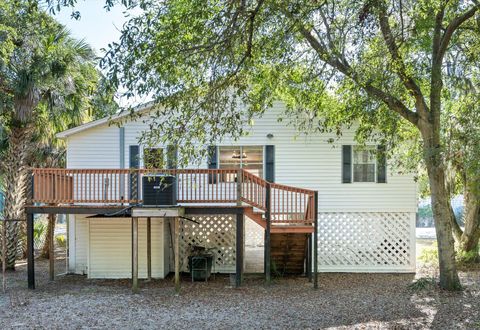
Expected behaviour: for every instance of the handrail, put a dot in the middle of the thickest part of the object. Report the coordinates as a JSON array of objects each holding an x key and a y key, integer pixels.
[{"x": 288, "y": 204}]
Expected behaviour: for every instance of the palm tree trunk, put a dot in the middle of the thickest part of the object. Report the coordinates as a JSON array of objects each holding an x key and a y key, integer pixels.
[
  {"x": 15, "y": 183},
  {"x": 50, "y": 234}
]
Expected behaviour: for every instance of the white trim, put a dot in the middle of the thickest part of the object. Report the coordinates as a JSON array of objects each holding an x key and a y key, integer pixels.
[{"x": 102, "y": 121}]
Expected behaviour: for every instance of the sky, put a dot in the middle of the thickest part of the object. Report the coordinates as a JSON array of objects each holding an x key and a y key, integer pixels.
[{"x": 98, "y": 27}]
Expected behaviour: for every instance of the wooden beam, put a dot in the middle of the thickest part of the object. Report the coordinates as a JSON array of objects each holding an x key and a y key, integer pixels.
[
  {"x": 30, "y": 252},
  {"x": 177, "y": 255},
  {"x": 149, "y": 249},
  {"x": 73, "y": 209},
  {"x": 51, "y": 244},
  {"x": 239, "y": 251},
  {"x": 309, "y": 258},
  {"x": 157, "y": 212},
  {"x": 267, "y": 254},
  {"x": 135, "y": 254},
  {"x": 276, "y": 229}
]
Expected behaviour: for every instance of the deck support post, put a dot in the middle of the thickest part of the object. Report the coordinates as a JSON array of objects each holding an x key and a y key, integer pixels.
[
  {"x": 315, "y": 243},
  {"x": 267, "y": 255},
  {"x": 239, "y": 250},
  {"x": 177, "y": 254},
  {"x": 135, "y": 254},
  {"x": 149, "y": 249},
  {"x": 51, "y": 244},
  {"x": 239, "y": 187},
  {"x": 308, "y": 263},
  {"x": 30, "y": 252}
]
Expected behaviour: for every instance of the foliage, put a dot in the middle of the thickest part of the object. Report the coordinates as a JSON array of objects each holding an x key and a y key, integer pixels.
[
  {"x": 61, "y": 240},
  {"x": 429, "y": 255},
  {"x": 423, "y": 283},
  {"x": 39, "y": 232}
]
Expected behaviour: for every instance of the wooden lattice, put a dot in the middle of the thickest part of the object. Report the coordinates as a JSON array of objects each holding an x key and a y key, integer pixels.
[
  {"x": 216, "y": 233},
  {"x": 366, "y": 241}
]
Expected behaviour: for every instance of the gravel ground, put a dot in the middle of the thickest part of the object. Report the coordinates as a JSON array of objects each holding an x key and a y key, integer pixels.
[{"x": 343, "y": 301}]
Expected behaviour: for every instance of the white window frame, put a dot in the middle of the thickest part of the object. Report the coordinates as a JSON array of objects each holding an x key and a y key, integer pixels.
[{"x": 375, "y": 169}]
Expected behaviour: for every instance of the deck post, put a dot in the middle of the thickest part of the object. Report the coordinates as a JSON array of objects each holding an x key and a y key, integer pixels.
[
  {"x": 315, "y": 244},
  {"x": 309, "y": 257},
  {"x": 149, "y": 249},
  {"x": 239, "y": 250},
  {"x": 239, "y": 187},
  {"x": 51, "y": 244},
  {"x": 267, "y": 254},
  {"x": 135, "y": 254},
  {"x": 177, "y": 254},
  {"x": 30, "y": 252}
]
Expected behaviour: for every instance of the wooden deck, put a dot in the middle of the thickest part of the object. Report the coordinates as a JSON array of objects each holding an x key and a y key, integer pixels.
[{"x": 116, "y": 188}]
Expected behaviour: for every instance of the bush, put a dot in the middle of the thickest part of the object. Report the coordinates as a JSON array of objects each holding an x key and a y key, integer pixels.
[
  {"x": 61, "y": 241},
  {"x": 429, "y": 255}
]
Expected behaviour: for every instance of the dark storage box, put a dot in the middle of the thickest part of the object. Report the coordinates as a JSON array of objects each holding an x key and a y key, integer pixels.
[{"x": 159, "y": 190}]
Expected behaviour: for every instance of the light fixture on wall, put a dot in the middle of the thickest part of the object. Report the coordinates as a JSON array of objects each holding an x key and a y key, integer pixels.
[{"x": 269, "y": 136}]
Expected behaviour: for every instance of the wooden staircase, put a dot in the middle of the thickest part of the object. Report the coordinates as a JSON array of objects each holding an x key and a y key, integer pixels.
[{"x": 288, "y": 253}]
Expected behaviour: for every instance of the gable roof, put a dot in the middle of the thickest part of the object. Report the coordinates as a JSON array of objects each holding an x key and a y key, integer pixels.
[{"x": 106, "y": 120}]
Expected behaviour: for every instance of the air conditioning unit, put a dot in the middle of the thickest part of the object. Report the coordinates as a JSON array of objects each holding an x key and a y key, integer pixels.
[{"x": 159, "y": 190}]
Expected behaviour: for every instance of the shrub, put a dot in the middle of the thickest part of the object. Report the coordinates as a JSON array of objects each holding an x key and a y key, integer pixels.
[
  {"x": 429, "y": 255},
  {"x": 61, "y": 240}
]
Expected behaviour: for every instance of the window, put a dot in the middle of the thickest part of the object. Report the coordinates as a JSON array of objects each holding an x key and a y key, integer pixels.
[
  {"x": 364, "y": 163},
  {"x": 153, "y": 158},
  {"x": 249, "y": 158}
]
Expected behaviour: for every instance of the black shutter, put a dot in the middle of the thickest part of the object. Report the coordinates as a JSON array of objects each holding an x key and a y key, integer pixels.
[
  {"x": 171, "y": 157},
  {"x": 134, "y": 162},
  {"x": 346, "y": 164},
  {"x": 270, "y": 163},
  {"x": 381, "y": 164},
  {"x": 212, "y": 162}
]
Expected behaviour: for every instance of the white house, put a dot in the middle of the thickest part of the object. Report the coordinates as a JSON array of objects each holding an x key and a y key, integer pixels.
[{"x": 366, "y": 211}]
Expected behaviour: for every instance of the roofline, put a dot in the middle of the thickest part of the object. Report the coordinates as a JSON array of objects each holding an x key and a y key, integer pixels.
[{"x": 138, "y": 109}]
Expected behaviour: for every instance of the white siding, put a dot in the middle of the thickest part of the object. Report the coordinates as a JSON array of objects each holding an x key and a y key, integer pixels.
[
  {"x": 303, "y": 161},
  {"x": 81, "y": 245},
  {"x": 94, "y": 148},
  {"x": 110, "y": 248}
]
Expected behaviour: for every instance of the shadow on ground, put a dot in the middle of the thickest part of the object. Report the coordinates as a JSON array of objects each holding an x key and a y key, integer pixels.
[{"x": 342, "y": 301}]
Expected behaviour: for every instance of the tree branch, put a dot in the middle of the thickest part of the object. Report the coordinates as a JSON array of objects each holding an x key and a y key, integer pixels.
[
  {"x": 452, "y": 27},
  {"x": 392, "y": 102},
  {"x": 400, "y": 68}
]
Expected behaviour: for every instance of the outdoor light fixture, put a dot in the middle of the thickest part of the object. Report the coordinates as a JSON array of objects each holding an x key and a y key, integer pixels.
[{"x": 269, "y": 136}]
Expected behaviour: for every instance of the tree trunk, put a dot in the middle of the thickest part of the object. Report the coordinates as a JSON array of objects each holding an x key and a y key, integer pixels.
[
  {"x": 441, "y": 213},
  {"x": 46, "y": 244},
  {"x": 15, "y": 183},
  {"x": 471, "y": 216}
]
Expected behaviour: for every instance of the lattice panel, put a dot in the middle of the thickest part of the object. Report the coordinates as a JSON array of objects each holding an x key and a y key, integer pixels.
[
  {"x": 214, "y": 232},
  {"x": 366, "y": 241},
  {"x": 254, "y": 234}
]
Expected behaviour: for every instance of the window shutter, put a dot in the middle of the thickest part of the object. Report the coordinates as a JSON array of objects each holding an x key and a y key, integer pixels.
[
  {"x": 134, "y": 162},
  {"x": 212, "y": 162},
  {"x": 270, "y": 163},
  {"x": 346, "y": 164},
  {"x": 381, "y": 164},
  {"x": 171, "y": 157}
]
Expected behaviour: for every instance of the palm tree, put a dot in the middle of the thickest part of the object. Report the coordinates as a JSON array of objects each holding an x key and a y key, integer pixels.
[{"x": 46, "y": 81}]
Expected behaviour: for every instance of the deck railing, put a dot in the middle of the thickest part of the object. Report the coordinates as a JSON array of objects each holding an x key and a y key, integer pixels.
[{"x": 204, "y": 186}]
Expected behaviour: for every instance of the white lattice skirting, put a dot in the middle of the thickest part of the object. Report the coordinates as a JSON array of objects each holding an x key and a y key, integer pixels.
[
  {"x": 216, "y": 233},
  {"x": 366, "y": 242}
]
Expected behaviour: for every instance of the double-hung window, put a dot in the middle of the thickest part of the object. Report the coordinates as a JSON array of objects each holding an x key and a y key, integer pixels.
[{"x": 364, "y": 164}]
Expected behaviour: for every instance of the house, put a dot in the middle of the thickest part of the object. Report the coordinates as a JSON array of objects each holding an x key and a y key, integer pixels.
[{"x": 365, "y": 212}]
